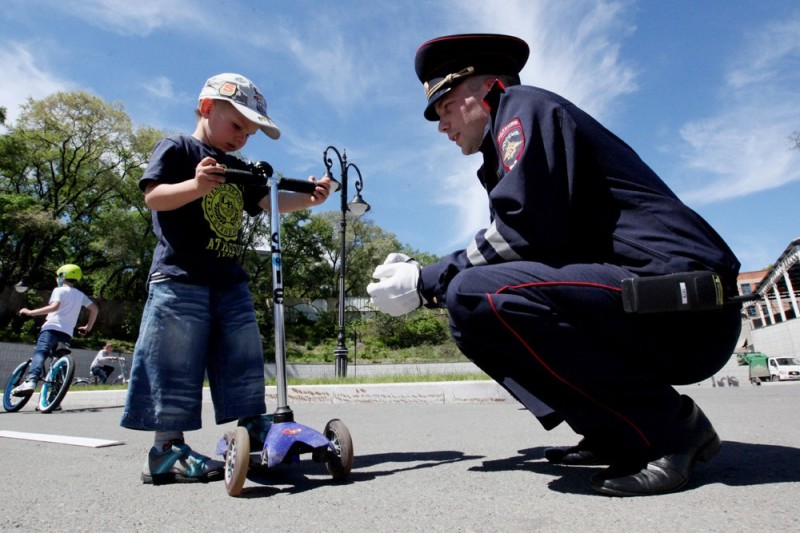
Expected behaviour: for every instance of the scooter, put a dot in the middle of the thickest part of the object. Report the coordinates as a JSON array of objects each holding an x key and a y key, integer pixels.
[{"x": 281, "y": 440}]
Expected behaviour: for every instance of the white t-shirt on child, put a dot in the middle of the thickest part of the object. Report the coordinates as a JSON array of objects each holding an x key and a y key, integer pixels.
[{"x": 64, "y": 319}]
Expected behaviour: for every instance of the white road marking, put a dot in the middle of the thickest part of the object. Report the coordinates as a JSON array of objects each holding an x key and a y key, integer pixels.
[{"x": 61, "y": 439}]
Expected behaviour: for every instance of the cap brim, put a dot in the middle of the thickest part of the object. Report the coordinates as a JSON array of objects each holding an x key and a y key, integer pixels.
[
  {"x": 430, "y": 109},
  {"x": 265, "y": 124}
]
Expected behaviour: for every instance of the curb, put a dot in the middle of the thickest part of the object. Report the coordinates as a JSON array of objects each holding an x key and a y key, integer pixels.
[{"x": 403, "y": 393}]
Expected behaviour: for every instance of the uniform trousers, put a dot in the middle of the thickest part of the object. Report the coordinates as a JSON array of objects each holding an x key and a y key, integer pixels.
[{"x": 559, "y": 335}]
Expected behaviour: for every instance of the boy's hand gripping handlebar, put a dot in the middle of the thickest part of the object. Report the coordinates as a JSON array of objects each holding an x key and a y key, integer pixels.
[{"x": 260, "y": 173}]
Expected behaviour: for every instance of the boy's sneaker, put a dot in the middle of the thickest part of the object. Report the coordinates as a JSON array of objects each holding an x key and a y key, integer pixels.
[
  {"x": 179, "y": 464},
  {"x": 257, "y": 429},
  {"x": 25, "y": 389}
]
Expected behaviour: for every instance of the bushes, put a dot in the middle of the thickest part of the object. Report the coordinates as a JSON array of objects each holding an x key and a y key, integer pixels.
[
  {"x": 420, "y": 328},
  {"x": 421, "y": 336}
]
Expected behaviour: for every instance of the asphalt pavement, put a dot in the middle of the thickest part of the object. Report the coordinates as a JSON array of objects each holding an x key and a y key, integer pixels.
[{"x": 428, "y": 457}]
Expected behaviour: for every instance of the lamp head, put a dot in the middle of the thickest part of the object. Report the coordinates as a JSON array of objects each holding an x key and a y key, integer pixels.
[
  {"x": 335, "y": 185},
  {"x": 358, "y": 206}
]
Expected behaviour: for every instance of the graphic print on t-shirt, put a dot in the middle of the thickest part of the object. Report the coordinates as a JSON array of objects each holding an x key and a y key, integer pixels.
[{"x": 222, "y": 209}]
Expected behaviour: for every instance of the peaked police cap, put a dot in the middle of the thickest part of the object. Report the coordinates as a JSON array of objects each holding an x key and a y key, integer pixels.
[{"x": 444, "y": 62}]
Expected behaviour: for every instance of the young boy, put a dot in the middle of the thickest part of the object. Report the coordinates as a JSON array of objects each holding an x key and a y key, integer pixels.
[
  {"x": 100, "y": 366},
  {"x": 62, "y": 313},
  {"x": 199, "y": 317}
]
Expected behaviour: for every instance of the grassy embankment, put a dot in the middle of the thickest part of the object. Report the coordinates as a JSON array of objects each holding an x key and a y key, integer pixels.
[{"x": 323, "y": 355}]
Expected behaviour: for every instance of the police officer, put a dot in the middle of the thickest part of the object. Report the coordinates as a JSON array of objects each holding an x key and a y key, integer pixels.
[{"x": 536, "y": 300}]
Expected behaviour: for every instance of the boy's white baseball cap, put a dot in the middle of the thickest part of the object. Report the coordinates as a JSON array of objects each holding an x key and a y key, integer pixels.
[{"x": 245, "y": 97}]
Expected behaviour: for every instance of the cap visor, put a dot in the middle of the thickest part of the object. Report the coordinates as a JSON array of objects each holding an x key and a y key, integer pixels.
[
  {"x": 264, "y": 123},
  {"x": 430, "y": 110}
]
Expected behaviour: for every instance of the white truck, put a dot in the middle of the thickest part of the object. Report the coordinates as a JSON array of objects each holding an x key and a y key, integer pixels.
[{"x": 766, "y": 368}]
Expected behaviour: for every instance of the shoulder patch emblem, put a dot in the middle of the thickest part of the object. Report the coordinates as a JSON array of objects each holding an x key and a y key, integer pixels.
[{"x": 510, "y": 143}]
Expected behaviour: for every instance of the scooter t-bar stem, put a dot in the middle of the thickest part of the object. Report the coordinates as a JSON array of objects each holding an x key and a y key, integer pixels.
[{"x": 283, "y": 413}]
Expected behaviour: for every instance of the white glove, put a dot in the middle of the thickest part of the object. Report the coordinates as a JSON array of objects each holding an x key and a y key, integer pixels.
[
  {"x": 396, "y": 257},
  {"x": 396, "y": 291}
]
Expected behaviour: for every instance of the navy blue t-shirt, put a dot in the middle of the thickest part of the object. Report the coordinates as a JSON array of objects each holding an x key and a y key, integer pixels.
[{"x": 200, "y": 242}]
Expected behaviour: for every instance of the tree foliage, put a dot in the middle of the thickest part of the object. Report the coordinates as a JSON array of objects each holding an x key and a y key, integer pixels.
[
  {"x": 69, "y": 169},
  {"x": 312, "y": 253},
  {"x": 69, "y": 172}
]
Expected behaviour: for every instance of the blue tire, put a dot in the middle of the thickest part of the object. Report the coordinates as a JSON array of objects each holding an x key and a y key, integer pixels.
[
  {"x": 15, "y": 403},
  {"x": 56, "y": 384}
]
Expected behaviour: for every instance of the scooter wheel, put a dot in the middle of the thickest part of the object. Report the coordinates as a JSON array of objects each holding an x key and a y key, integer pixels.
[
  {"x": 237, "y": 460},
  {"x": 339, "y": 466}
]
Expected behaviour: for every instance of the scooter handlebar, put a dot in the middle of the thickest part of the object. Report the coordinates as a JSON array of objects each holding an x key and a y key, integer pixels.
[
  {"x": 246, "y": 177},
  {"x": 295, "y": 185}
]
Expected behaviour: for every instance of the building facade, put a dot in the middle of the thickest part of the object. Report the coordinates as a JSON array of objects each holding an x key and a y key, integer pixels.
[{"x": 770, "y": 322}]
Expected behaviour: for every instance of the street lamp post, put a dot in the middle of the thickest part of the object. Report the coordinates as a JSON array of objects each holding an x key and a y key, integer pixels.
[{"x": 358, "y": 207}]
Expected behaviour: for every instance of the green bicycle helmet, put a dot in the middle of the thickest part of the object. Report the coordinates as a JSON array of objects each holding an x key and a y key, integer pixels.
[{"x": 72, "y": 272}]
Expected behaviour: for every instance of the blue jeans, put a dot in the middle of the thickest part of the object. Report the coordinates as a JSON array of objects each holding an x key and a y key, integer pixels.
[
  {"x": 102, "y": 372},
  {"x": 45, "y": 345},
  {"x": 188, "y": 331}
]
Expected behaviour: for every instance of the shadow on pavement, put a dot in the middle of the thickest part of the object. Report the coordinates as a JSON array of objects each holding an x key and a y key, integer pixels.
[
  {"x": 306, "y": 474},
  {"x": 738, "y": 464}
]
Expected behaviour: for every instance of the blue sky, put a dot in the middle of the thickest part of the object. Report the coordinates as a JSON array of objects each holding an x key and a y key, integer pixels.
[{"x": 708, "y": 92}]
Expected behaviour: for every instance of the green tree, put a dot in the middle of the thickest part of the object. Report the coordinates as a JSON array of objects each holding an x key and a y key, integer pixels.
[
  {"x": 311, "y": 250},
  {"x": 122, "y": 236},
  {"x": 366, "y": 245},
  {"x": 69, "y": 172},
  {"x": 69, "y": 169}
]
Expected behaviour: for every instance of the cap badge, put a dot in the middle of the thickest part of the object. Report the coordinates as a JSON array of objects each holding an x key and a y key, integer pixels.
[
  {"x": 447, "y": 80},
  {"x": 228, "y": 89}
]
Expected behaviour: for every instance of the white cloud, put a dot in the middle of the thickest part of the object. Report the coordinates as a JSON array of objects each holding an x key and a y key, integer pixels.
[
  {"x": 352, "y": 56},
  {"x": 745, "y": 147},
  {"x": 744, "y": 150},
  {"x": 24, "y": 78},
  {"x": 160, "y": 87},
  {"x": 141, "y": 17},
  {"x": 464, "y": 194},
  {"x": 771, "y": 56},
  {"x": 582, "y": 64},
  {"x": 575, "y": 45},
  {"x": 332, "y": 67}
]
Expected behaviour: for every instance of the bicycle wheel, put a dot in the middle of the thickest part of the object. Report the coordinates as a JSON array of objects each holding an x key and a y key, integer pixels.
[
  {"x": 56, "y": 384},
  {"x": 15, "y": 403}
]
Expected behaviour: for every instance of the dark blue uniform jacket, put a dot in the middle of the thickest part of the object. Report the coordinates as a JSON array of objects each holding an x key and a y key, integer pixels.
[{"x": 565, "y": 190}]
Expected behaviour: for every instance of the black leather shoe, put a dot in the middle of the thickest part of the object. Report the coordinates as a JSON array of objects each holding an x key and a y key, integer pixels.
[
  {"x": 694, "y": 438},
  {"x": 580, "y": 455}
]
